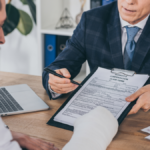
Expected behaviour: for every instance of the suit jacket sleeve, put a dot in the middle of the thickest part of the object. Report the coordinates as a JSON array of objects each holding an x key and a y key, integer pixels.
[{"x": 72, "y": 57}]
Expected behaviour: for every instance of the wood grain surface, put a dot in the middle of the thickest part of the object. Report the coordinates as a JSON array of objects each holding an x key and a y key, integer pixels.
[{"x": 129, "y": 136}]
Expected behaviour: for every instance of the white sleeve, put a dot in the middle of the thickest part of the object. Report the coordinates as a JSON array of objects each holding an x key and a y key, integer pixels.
[
  {"x": 6, "y": 137},
  {"x": 93, "y": 131},
  {"x": 54, "y": 94}
]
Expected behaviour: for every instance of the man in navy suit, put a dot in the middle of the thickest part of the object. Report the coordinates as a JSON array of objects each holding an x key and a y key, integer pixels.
[{"x": 113, "y": 36}]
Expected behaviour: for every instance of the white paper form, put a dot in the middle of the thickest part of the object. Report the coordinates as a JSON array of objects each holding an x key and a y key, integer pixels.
[{"x": 105, "y": 89}]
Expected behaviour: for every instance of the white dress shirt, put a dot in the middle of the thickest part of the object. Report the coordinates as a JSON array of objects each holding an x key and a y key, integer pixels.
[
  {"x": 141, "y": 25},
  {"x": 6, "y": 137}
]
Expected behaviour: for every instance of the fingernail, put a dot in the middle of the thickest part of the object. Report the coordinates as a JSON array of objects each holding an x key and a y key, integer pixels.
[
  {"x": 128, "y": 98},
  {"x": 67, "y": 75}
]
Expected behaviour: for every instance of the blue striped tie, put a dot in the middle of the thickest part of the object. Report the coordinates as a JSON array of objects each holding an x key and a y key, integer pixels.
[{"x": 130, "y": 46}]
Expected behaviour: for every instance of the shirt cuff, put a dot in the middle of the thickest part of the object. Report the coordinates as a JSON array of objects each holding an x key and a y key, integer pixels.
[{"x": 54, "y": 94}]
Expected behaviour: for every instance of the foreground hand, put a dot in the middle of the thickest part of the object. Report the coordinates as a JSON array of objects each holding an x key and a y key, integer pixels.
[
  {"x": 143, "y": 102},
  {"x": 61, "y": 85},
  {"x": 32, "y": 143}
]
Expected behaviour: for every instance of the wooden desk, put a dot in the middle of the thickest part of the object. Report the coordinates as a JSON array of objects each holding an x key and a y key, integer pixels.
[{"x": 129, "y": 136}]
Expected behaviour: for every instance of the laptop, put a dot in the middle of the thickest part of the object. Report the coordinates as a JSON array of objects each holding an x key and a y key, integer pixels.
[{"x": 19, "y": 99}]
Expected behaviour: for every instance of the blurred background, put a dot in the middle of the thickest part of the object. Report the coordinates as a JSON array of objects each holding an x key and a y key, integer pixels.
[{"x": 36, "y": 32}]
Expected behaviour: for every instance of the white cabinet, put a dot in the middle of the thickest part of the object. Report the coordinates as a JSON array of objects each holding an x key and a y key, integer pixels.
[{"x": 48, "y": 14}]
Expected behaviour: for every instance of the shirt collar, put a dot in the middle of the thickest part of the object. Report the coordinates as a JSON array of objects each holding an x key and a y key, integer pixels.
[{"x": 140, "y": 24}]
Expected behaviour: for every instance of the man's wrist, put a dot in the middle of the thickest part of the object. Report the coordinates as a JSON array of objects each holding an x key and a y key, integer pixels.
[
  {"x": 53, "y": 94},
  {"x": 49, "y": 87}
]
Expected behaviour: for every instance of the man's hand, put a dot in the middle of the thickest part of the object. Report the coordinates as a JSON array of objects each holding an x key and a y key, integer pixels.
[
  {"x": 32, "y": 143},
  {"x": 61, "y": 85},
  {"x": 143, "y": 102}
]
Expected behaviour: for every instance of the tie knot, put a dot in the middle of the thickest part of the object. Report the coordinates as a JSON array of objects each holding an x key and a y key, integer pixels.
[{"x": 131, "y": 32}]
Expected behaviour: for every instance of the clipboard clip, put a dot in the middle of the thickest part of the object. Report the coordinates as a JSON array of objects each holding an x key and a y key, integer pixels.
[{"x": 122, "y": 72}]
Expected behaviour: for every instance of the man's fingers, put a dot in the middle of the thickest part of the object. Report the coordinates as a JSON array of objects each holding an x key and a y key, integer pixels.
[
  {"x": 136, "y": 107},
  {"x": 144, "y": 100},
  {"x": 138, "y": 93},
  {"x": 134, "y": 96},
  {"x": 58, "y": 71},
  {"x": 65, "y": 72},
  {"x": 62, "y": 86},
  {"x": 57, "y": 80},
  {"x": 70, "y": 89},
  {"x": 63, "y": 90},
  {"x": 134, "y": 110},
  {"x": 146, "y": 107}
]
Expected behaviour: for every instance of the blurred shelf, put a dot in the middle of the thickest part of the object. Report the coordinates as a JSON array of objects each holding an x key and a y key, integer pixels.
[{"x": 52, "y": 30}]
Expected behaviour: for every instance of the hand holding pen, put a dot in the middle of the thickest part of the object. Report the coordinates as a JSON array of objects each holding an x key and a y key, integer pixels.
[{"x": 61, "y": 84}]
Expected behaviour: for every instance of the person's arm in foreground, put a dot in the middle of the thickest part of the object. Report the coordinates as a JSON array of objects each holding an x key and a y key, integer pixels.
[
  {"x": 31, "y": 143},
  {"x": 93, "y": 131},
  {"x": 10, "y": 140}
]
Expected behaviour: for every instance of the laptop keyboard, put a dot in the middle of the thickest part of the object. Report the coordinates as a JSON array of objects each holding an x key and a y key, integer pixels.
[{"x": 7, "y": 102}]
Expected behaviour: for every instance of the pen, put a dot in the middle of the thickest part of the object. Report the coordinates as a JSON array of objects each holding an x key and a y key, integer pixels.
[{"x": 58, "y": 75}]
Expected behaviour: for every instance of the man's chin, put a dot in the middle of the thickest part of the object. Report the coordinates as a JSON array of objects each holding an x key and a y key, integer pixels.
[{"x": 128, "y": 19}]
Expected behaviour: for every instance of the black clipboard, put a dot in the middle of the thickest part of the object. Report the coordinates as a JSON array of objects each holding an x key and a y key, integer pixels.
[{"x": 120, "y": 119}]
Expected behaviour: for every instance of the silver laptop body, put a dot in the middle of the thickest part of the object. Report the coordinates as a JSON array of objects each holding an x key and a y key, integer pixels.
[{"x": 18, "y": 99}]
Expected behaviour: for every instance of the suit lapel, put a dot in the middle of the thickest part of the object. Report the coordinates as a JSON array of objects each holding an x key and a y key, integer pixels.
[
  {"x": 114, "y": 38},
  {"x": 142, "y": 48}
]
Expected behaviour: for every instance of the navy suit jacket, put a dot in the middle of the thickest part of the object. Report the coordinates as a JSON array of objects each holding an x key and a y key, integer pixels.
[{"x": 97, "y": 39}]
